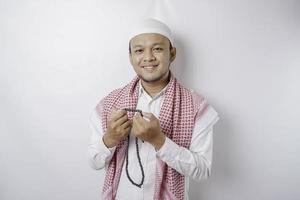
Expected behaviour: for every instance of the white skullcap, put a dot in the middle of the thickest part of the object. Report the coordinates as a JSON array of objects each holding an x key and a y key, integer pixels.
[{"x": 151, "y": 26}]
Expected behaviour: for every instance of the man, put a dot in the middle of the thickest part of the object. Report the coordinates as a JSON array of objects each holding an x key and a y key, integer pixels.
[{"x": 153, "y": 134}]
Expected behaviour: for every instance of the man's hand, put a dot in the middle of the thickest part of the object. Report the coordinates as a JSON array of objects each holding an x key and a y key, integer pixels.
[
  {"x": 118, "y": 128},
  {"x": 148, "y": 130}
]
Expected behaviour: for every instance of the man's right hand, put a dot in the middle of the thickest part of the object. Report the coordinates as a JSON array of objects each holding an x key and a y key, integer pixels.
[{"x": 118, "y": 128}]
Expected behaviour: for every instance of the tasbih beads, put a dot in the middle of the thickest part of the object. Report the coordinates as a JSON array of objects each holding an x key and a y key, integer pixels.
[
  {"x": 140, "y": 164},
  {"x": 137, "y": 152},
  {"x": 133, "y": 110}
]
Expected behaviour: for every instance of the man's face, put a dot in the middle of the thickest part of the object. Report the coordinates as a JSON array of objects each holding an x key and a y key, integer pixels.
[{"x": 151, "y": 56}]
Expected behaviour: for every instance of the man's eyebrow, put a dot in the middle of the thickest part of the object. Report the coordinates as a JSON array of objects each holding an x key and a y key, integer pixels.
[
  {"x": 137, "y": 45},
  {"x": 157, "y": 43}
]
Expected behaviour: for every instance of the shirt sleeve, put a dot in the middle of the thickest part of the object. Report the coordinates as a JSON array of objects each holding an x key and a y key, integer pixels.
[
  {"x": 194, "y": 162},
  {"x": 98, "y": 154}
]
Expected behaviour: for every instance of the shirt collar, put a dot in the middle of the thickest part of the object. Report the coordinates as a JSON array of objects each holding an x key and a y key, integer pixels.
[{"x": 143, "y": 91}]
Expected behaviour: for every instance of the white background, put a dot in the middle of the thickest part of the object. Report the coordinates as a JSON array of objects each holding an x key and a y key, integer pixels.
[{"x": 58, "y": 58}]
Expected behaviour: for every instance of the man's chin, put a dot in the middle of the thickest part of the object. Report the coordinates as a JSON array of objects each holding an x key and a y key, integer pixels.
[
  {"x": 153, "y": 78},
  {"x": 150, "y": 79}
]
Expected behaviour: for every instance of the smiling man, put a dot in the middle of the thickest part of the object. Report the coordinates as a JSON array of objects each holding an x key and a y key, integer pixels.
[{"x": 153, "y": 134}]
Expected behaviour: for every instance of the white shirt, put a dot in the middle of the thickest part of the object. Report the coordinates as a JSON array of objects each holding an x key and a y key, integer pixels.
[{"x": 194, "y": 162}]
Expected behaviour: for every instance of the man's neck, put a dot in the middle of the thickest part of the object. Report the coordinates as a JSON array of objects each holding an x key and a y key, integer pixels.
[{"x": 153, "y": 88}]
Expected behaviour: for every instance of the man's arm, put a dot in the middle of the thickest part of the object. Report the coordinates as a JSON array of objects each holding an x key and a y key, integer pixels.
[
  {"x": 98, "y": 154},
  {"x": 194, "y": 162}
]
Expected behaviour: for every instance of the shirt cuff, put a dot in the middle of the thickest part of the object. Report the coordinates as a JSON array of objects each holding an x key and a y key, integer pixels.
[
  {"x": 101, "y": 147},
  {"x": 169, "y": 151}
]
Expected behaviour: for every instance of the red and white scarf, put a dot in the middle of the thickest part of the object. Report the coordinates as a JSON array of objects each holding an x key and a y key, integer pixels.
[{"x": 177, "y": 116}]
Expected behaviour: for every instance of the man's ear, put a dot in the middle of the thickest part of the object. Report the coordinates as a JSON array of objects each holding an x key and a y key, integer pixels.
[
  {"x": 172, "y": 54},
  {"x": 130, "y": 58}
]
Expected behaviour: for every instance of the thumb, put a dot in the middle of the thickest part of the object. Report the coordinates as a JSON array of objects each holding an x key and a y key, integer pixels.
[
  {"x": 114, "y": 109},
  {"x": 148, "y": 116}
]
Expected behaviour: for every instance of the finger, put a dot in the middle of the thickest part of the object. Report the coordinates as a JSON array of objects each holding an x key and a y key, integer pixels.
[
  {"x": 138, "y": 118},
  {"x": 117, "y": 114},
  {"x": 148, "y": 116},
  {"x": 142, "y": 118},
  {"x": 113, "y": 110},
  {"x": 137, "y": 124},
  {"x": 121, "y": 120},
  {"x": 127, "y": 131},
  {"x": 126, "y": 124},
  {"x": 121, "y": 112}
]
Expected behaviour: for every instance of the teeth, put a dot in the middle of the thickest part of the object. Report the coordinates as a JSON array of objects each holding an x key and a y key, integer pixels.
[{"x": 151, "y": 66}]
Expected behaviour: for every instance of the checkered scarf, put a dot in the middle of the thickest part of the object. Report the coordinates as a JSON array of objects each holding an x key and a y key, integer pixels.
[{"x": 178, "y": 113}]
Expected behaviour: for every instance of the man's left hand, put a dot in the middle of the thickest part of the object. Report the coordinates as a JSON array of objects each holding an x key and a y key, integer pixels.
[{"x": 148, "y": 129}]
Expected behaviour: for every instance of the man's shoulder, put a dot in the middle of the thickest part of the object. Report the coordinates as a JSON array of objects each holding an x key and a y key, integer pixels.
[
  {"x": 114, "y": 92},
  {"x": 112, "y": 95},
  {"x": 196, "y": 96},
  {"x": 199, "y": 101},
  {"x": 123, "y": 89}
]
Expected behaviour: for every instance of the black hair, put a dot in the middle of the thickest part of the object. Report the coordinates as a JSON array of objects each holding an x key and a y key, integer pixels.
[{"x": 171, "y": 47}]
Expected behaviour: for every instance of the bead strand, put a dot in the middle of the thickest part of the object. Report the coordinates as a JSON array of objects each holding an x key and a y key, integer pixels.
[{"x": 140, "y": 163}]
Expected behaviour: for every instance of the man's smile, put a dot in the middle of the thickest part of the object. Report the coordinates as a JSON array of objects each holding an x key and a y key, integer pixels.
[{"x": 149, "y": 68}]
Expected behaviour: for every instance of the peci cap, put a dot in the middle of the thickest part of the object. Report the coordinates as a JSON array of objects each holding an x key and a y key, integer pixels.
[{"x": 151, "y": 25}]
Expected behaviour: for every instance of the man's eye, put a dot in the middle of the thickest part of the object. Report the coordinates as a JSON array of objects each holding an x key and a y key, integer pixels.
[
  {"x": 138, "y": 51},
  {"x": 158, "y": 49}
]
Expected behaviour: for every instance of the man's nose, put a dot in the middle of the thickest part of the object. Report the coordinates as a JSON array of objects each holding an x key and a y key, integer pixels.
[{"x": 148, "y": 56}]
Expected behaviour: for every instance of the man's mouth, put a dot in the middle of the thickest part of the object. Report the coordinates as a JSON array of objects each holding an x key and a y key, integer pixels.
[{"x": 149, "y": 66}]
